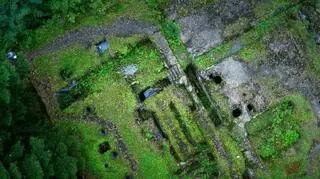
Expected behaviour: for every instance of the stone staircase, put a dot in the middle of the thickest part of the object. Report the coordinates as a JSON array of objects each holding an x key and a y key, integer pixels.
[{"x": 175, "y": 73}]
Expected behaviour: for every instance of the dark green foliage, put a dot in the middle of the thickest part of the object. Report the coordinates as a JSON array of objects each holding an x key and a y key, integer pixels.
[
  {"x": 31, "y": 167},
  {"x": 15, "y": 171},
  {"x": 19, "y": 17},
  {"x": 171, "y": 31},
  {"x": 26, "y": 145},
  {"x": 65, "y": 100},
  {"x": 43, "y": 155},
  {"x": 65, "y": 166},
  {"x": 16, "y": 152},
  {"x": 70, "y": 10},
  {"x": 3, "y": 172},
  {"x": 66, "y": 73},
  {"x": 157, "y": 4},
  {"x": 22, "y": 66},
  {"x": 4, "y": 78}
]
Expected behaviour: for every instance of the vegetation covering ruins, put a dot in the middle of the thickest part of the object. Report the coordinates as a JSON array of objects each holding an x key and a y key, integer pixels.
[{"x": 160, "y": 89}]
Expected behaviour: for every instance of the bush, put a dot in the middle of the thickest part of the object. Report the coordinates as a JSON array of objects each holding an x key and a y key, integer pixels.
[
  {"x": 65, "y": 100},
  {"x": 65, "y": 73}
]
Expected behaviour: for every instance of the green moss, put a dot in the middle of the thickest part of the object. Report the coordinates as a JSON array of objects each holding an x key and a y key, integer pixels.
[
  {"x": 171, "y": 31},
  {"x": 160, "y": 104},
  {"x": 298, "y": 153},
  {"x": 238, "y": 161},
  {"x": 179, "y": 98},
  {"x": 310, "y": 47},
  {"x": 122, "y": 46},
  {"x": 280, "y": 127},
  {"x": 268, "y": 9},
  {"x": 91, "y": 139},
  {"x": 75, "y": 59},
  {"x": 275, "y": 130},
  {"x": 214, "y": 56},
  {"x": 236, "y": 28},
  {"x": 110, "y": 95},
  {"x": 222, "y": 102},
  {"x": 251, "y": 53}
]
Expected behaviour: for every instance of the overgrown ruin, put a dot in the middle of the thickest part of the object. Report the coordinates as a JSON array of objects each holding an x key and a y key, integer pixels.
[{"x": 235, "y": 96}]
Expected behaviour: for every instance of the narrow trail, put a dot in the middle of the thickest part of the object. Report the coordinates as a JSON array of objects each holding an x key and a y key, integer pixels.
[
  {"x": 312, "y": 158},
  {"x": 124, "y": 27},
  {"x": 87, "y": 35}
]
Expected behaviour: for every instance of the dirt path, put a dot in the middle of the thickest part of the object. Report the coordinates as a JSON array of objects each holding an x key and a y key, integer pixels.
[{"x": 87, "y": 35}]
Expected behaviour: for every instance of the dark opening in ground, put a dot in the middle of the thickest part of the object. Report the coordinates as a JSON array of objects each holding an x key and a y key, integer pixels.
[
  {"x": 210, "y": 156},
  {"x": 103, "y": 132},
  {"x": 250, "y": 107},
  {"x": 106, "y": 165},
  {"x": 128, "y": 176},
  {"x": 144, "y": 114},
  {"x": 114, "y": 154},
  {"x": 88, "y": 110},
  {"x": 236, "y": 112},
  {"x": 104, "y": 147},
  {"x": 216, "y": 78},
  {"x": 290, "y": 104}
]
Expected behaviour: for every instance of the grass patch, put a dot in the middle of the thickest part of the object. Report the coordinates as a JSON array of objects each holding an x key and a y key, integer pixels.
[
  {"x": 297, "y": 154},
  {"x": 74, "y": 60},
  {"x": 91, "y": 139},
  {"x": 171, "y": 31},
  {"x": 233, "y": 148},
  {"x": 222, "y": 102},
  {"x": 213, "y": 56},
  {"x": 275, "y": 130},
  {"x": 117, "y": 103},
  {"x": 279, "y": 127},
  {"x": 147, "y": 59}
]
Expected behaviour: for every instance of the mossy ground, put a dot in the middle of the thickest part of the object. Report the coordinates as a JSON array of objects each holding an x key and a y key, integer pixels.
[
  {"x": 297, "y": 152},
  {"x": 91, "y": 138}
]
